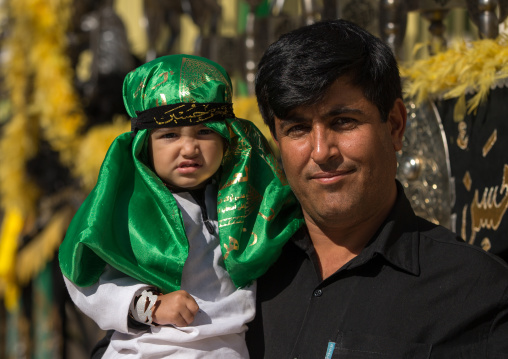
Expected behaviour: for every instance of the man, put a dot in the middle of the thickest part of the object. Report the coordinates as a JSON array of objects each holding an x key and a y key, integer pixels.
[{"x": 365, "y": 277}]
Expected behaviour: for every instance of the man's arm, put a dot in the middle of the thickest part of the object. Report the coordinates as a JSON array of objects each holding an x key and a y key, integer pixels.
[{"x": 498, "y": 343}]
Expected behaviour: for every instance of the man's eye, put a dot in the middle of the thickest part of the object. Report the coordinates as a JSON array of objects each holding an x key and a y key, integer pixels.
[
  {"x": 295, "y": 130},
  {"x": 345, "y": 122}
]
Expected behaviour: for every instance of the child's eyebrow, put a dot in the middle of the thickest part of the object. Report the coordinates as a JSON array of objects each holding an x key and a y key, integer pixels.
[{"x": 163, "y": 129}]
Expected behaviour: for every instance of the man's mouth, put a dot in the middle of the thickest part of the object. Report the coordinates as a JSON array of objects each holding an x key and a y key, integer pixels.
[{"x": 330, "y": 177}]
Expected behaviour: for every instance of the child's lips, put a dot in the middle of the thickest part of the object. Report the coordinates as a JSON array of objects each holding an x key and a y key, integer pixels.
[{"x": 188, "y": 167}]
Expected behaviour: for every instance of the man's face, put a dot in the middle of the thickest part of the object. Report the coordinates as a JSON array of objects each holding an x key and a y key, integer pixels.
[
  {"x": 185, "y": 156},
  {"x": 339, "y": 157}
]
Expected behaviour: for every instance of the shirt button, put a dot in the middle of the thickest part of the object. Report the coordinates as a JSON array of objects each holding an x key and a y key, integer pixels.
[{"x": 318, "y": 292}]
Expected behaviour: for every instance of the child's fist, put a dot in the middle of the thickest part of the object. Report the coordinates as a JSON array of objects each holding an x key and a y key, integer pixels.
[{"x": 176, "y": 308}]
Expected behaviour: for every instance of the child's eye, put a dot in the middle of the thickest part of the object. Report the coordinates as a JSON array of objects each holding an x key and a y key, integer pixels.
[
  {"x": 205, "y": 131},
  {"x": 169, "y": 135}
]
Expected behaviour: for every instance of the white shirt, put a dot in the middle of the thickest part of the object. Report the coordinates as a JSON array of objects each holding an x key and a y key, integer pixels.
[{"x": 218, "y": 329}]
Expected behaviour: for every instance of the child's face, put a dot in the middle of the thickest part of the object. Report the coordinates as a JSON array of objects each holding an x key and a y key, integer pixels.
[{"x": 185, "y": 156}]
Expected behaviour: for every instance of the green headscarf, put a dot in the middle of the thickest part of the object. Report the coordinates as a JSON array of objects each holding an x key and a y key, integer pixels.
[{"x": 131, "y": 221}]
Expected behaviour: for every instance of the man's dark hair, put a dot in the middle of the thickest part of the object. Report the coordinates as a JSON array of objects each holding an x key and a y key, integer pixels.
[{"x": 300, "y": 67}]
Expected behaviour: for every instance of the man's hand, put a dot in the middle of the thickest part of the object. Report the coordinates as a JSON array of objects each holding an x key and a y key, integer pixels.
[{"x": 176, "y": 308}]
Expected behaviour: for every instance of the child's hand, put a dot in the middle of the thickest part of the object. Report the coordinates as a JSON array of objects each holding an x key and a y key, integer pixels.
[{"x": 176, "y": 308}]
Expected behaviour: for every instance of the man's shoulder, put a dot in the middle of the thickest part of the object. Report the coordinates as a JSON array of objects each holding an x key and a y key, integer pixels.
[{"x": 439, "y": 242}]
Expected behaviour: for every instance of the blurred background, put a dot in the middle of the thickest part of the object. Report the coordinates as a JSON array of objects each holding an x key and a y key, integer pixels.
[{"x": 62, "y": 66}]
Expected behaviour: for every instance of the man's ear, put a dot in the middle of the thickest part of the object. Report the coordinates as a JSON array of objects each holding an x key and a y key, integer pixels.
[
  {"x": 273, "y": 131},
  {"x": 275, "y": 139},
  {"x": 397, "y": 118}
]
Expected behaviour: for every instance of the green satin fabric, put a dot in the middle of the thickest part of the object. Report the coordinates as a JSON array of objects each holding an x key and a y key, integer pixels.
[
  {"x": 126, "y": 221},
  {"x": 257, "y": 210},
  {"x": 131, "y": 221},
  {"x": 175, "y": 79}
]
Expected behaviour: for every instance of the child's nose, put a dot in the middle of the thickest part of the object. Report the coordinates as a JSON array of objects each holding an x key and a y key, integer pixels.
[{"x": 190, "y": 146}]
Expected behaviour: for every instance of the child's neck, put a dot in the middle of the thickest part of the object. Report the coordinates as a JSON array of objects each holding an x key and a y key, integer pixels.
[{"x": 177, "y": 189}]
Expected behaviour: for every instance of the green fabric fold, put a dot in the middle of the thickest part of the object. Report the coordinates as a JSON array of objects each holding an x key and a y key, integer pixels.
[{"x": 131, "y": 221}]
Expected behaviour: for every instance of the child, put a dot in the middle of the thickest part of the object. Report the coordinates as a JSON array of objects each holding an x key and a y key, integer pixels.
[{"x": 189, "y": 209}]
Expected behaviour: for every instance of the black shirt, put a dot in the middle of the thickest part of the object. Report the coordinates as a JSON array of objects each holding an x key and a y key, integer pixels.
[{"x": 415, "y": 291}]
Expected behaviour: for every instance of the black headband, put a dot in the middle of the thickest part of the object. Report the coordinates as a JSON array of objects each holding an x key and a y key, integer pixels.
[{"x": 181, "y": 114}]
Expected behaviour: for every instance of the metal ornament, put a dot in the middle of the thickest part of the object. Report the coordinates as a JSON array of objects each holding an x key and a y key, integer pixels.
[
  {"x": 483, "y": 13},
  {"x": 144, "y": 312},
  {"x": 424, "y": 166},
  {"x": 392, "y": 23},
  {"x": 365, "y": 13}
]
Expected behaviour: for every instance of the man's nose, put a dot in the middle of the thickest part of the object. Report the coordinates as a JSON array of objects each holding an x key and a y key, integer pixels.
[{"x": 324, "y": 145}]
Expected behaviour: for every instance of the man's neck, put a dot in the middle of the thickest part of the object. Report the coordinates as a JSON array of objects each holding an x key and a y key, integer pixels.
[
  {"x": 334, "y": 251},
  {"x": 337, "y": 243}
]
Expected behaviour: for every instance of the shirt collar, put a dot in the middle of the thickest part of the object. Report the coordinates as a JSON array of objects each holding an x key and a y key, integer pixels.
[{"x": 397, "y": 240}]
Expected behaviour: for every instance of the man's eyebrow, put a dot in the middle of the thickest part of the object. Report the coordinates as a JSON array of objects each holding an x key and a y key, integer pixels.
[
  {"x": 342, "y": 110},
  {"x": 292, "y": 119},
  {"x": 336, "y": 111}
]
